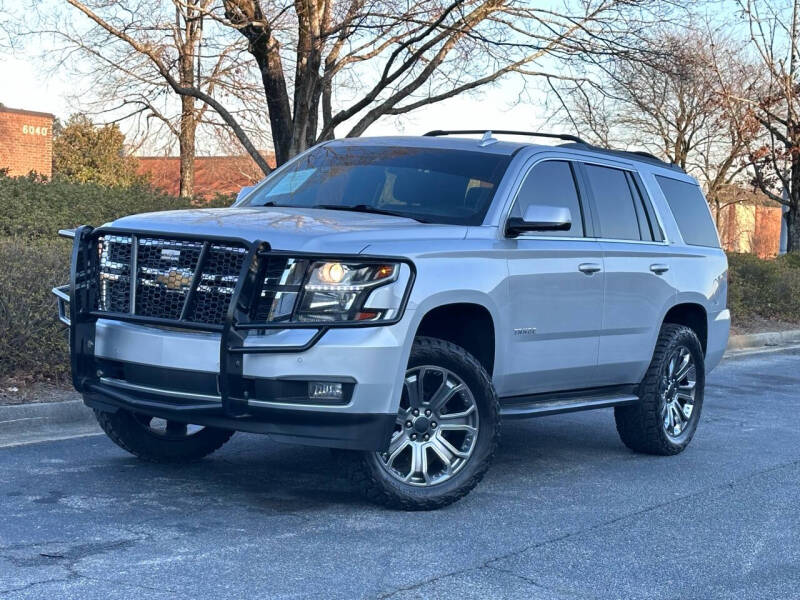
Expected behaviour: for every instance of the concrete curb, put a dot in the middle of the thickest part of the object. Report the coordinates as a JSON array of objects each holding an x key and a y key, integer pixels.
[
  {"x": 758, "y": 340},
  {"x": 24, "y": 418}
]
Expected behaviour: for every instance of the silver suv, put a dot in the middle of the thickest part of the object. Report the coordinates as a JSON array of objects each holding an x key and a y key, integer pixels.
[{"x": 396, "y": 298}]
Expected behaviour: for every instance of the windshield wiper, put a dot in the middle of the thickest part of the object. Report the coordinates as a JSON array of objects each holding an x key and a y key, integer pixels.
[{"x": 366, "y": 208}]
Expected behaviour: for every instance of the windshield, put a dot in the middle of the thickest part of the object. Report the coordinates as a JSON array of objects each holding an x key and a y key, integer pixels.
[{"x": 427, "y": 184}]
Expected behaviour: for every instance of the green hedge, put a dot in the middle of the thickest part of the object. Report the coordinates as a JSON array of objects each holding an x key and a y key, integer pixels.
[
  {"x": 32, "y": 208},
  {"x": 32, "y": 341},
  {"x": 769, "y": 289}
]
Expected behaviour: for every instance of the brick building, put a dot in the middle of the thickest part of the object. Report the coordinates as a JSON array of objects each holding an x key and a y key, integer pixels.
[
  {"x": 26, "y": 141},
  {"x": 212, "y": 174},
  {"x": 749, "y": 222}
]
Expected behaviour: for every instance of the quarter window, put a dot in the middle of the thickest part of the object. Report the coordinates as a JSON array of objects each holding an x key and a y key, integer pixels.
[
  {"x": 616, "y": 210},
  {"x": 690, "y": 211},
  {"x": 551, "y": 183}
]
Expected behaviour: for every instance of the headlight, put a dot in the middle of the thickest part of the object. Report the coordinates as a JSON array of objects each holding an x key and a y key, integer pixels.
[
  {"x": 302, "y": 290},
  {"x": 338, "y": 291}
]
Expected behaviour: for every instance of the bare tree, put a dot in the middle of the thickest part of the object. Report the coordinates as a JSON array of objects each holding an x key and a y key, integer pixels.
[
  {"x": 772, "y": 104},
  {"x": 139, "y": 51},
  {"x": 669, "y": 102},
  {"x": 331, "y": 64}
]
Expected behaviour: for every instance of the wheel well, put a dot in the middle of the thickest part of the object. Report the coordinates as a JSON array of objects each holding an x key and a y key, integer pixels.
[
  {"x": 467, "y": 325},
  {"x": 692, "y": 316}
]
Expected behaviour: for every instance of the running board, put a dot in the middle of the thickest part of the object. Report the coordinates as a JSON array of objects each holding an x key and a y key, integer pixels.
[{"x": 542, "y": 405}]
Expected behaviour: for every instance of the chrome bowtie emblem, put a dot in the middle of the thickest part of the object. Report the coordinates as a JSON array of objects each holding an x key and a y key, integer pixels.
[{"x": 170, "y": 254}]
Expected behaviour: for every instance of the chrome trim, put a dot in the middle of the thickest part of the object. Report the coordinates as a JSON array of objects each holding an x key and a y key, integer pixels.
[
  {"x": 67, "y": 233},
  {"x": 554, "y": 238},
  {"x": 299, "y": 405},
  {"x": 161, "y": 392}
]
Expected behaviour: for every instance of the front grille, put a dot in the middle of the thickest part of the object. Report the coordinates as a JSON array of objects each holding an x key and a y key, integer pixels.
[{"x": 163, "y": 271}]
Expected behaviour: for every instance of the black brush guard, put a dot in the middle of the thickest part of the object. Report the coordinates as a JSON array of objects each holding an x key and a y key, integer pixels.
[{"x": 78, "y": 308}]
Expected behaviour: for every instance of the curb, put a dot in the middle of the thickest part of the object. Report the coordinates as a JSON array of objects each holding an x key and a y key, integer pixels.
[
  {"x": 24, "y": 418},
  {"x": 759, "y": 340}
]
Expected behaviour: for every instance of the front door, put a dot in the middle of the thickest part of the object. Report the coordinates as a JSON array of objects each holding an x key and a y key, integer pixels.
[{"x": 556, "y": 292}]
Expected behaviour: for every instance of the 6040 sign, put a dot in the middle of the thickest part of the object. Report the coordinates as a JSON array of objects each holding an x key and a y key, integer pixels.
[{"x": 34, "y": 130}]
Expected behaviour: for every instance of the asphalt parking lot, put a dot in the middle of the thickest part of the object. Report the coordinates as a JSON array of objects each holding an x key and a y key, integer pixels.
[{"x": 565, "y": 512}]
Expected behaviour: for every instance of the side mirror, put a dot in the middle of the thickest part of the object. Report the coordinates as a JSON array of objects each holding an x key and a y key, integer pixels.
[
  {"x": 540, "y": 218},
  {"x": 244, "y": 191}
]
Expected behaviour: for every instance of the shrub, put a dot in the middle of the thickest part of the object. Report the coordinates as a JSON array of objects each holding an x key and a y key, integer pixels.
[
  {"x": 30, "y": 207},
  {"x": 769, "y": 289},
  {"x": 33, "y": 342}
]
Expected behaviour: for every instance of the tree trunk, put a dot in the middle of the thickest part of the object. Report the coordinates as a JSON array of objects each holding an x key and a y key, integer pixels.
[{"x": 186, "y": 142}]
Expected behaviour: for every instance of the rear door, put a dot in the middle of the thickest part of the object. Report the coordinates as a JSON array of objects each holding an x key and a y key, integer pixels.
[
  {"x": 555, "y": 290},
  {"x": 638, "y": 282}
]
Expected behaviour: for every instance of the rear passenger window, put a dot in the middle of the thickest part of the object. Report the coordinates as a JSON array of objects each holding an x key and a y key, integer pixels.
[
  {"x": 690, "y": 211},
  {"x": 551, "y": 183},
  {"x": 616, "y": 211}
]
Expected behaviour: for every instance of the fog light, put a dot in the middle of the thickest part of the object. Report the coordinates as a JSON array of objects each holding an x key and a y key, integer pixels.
[{"x": 325, "y": 390}]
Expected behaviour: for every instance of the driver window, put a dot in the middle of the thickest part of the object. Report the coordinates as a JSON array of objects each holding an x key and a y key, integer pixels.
[{"x": 551, "y": 183}]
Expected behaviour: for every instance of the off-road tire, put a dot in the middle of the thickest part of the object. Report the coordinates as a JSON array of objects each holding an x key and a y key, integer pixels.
[
  {"x": 379, "y": 487},
  {"x": 129, "y": 434},
  {"x": 640, "y": 426}
]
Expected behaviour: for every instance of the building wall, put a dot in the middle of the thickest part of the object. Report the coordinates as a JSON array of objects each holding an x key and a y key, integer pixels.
[
  {"x": 750, "y": 228},
  {"x": 26, "y": 141}
]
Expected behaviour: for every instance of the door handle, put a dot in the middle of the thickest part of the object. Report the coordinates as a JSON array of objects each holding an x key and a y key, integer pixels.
[
  {"x": 589, "y": 268},
  {"x": 658, "y": 268}
]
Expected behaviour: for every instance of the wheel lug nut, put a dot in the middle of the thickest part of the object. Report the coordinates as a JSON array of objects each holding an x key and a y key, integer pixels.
[
  {"x": 408, "y": 423},
  {"x": 433, "y": 424},
  {"x": 415, "y": 412},
  {"x": 427, "y": 413},
  {"x": 413, "y": 436},
  {"x": 427, "y": 437}
]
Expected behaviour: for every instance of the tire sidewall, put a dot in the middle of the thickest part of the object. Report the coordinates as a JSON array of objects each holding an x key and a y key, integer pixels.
[
  {"x": 682, "y": 337},
  {"x": 434, "y": 352},
  {"x": 128, "y": 432}
]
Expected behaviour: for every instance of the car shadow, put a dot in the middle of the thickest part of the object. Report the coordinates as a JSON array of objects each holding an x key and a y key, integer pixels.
[{"x": 254, "y": 474}]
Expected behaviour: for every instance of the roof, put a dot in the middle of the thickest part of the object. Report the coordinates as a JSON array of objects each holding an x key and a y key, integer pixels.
[
  {"x": 23, "y": 111},
  {"x": 446, "y": 143},
  {"x": 456, "y": 142}
]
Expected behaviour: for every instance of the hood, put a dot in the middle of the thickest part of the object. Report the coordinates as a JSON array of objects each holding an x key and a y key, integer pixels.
[{"x": 284, "y": 228}]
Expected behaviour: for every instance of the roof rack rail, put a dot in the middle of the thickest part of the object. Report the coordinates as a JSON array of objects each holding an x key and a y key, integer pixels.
[
  {"x": 488, "y": 139},
  {"x": 646, "y": 155},
  {"x": 559, "y": 136}
]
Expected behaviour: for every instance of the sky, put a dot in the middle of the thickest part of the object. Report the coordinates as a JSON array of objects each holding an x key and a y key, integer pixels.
[
  {"x": 28, "y": 85},
  {"x": 27, "y": 82}
]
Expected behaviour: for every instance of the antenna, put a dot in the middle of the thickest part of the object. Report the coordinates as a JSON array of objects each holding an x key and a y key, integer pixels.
[{"x": 488, "y": 139}]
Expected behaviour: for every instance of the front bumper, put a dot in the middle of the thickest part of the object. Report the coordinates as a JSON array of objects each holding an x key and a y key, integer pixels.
[{"x": 236, "y": 376}]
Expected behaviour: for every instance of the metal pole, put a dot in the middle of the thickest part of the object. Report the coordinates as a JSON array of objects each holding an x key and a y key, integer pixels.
[{"x": 784, "y": 231}]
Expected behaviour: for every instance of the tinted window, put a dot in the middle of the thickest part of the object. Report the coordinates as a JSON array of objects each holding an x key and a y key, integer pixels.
[
  {"x": 690, "y": 211},
  {"x": 649, "y": 226},
  {"x": 616, "y": 212},
  {"x": 551, "y": 183},
  {"x": 430, "y": 184}
]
